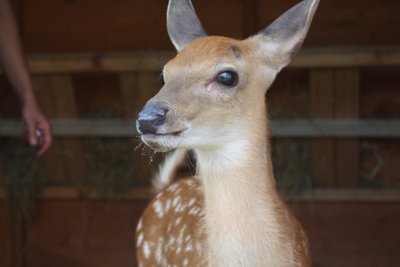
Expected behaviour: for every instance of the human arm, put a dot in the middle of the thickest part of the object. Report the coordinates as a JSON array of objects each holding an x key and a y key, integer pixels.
[{"x": 15, "y": 68}]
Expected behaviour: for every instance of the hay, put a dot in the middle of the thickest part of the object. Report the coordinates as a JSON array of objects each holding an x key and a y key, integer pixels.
[
  {"x": 291, "y": 161},
  {"x": 369, "y": 176},
  {"x": 23, "y": 175},
  {"x": 109, "y": 164}
]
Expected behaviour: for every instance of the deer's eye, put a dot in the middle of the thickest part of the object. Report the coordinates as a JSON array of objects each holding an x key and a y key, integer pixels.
[
  {"x": 161, "y": 79},
  {"x": 228, "y": 78}
]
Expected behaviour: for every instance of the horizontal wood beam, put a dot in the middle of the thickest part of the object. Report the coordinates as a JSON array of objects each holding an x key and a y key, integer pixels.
[
  {"x": 67, "y": 63},
  {"x": 347, "y": 195},
  {"x": 297, "y": 128},
  {"x": 72, "y": 193},
  {"x": 145, "y": 61},
  {"x": 77, "y": 127},
  {"x": 339, "y": 128},
  {"x": 338, "y": 57},
  {"x": 144, "y": 193}
]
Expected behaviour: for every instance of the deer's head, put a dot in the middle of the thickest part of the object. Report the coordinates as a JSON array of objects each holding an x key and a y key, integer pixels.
[{"x": 214, "y": 88}]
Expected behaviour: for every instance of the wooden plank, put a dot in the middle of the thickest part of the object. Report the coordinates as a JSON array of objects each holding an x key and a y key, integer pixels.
[
  {"x": 250, "y": 17},
  {"x": 15, "y": 226},
  {"x": 65, "y": 192},
  {"x": 54, "y": 159},
  {"x": 84, "y": 233},
  {"x": 347, "y": 92},
  {"x": 145, "y": 193},
  {"x": 342, "y": 28},
  {"x": 109, "y": 25},
  {"x": 321, "y": 105},
  {"x": 346, "y": 195},
  {"x": 333, "y": 57},
  {"x": 116, "y": 25},
  {"x": 338, "y": 128},
  {"x": 65, "y": 107},
  {"x": 1, "y": 164},
  {"x": 56, "y": 96},
  {"x": 280, "y": 128},
  {"x": 3, "y": 233},
  {"x": 351, "y": 234},
  {"x": 97, "y": 233},
  {"x": 143, "y": 61},
  {"x": 139, "y": 61}
]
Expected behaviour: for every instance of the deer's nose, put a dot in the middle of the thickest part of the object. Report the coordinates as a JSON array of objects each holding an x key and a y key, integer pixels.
[{"x": 151, "y": 118}]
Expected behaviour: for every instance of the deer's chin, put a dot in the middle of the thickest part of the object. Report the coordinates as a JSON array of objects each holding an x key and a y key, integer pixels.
[{"x": 162, "y": 142}]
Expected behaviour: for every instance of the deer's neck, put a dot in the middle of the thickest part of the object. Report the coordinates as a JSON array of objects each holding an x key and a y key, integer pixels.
[{"x": 241, "y": 204}]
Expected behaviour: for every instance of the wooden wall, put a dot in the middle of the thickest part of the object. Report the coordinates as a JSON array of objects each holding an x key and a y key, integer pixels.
[
  {"x": 84, "y": 232},
  {"x": 58, "y": 26},
  {"x": 99, "y": 233}
]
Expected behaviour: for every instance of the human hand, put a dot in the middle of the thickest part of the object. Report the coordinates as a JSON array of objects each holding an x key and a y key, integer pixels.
[{"x": 39, "y": 130}]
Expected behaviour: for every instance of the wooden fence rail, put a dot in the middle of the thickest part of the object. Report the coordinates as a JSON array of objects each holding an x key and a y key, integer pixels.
[
  {"x": 145, "y": 193},
  {"x": 296, "y": 128},
  {"x": 145, "y": 61}
]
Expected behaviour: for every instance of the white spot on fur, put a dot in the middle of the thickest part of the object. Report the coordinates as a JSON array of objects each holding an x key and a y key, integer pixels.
[
  {"x": 196, "y": 211},
  {"x": 169, "y": 228},
  {"x": 139, "y": 240},
  {"x": 171, "y": 241},
  {"x": 172, "y": 188},
  {"x": 188, "y": 237},
  {"x": 178, "y": 221},
  {"x": 158, "y": 208},
  {"x": 178, "y": 208},
  {"x": 140, "y": 224},
  {"x": 159, "y": 250},
  {"x": 191, "y": 202},
  {"x": 190, "y": 183},
  {"x": 146, "y": 250},
  {"x": 176, "y": 201},
  {"x": 167, "y": 205},
  {"x": 189, "y": 247}
]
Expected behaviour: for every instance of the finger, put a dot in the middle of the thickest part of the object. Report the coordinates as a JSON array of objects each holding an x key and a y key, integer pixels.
[
  {"x": 32, "y": 138},
  {"x": 46, "y": 141}
]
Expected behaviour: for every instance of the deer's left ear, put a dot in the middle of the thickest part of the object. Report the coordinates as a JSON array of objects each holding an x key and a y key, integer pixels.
[
  {"x": 183, "y": 25},
  {"x": 283, "y": 38}
]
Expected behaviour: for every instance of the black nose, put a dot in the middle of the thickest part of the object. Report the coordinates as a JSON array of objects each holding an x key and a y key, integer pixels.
[{"x": 151, "y": 118}]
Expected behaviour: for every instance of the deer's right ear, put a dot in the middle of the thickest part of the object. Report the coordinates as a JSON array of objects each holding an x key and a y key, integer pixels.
[
  {"x": 283, "y": 38},
  {"x": 183, "y": 24}
]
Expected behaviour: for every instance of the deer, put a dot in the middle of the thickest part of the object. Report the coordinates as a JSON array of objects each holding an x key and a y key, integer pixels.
[{"x": 212, "y": 102}]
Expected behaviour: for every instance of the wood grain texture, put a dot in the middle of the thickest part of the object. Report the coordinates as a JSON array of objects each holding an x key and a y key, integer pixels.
[
  {"x": 83, "y": 233},
  {"x": 65, "y": 107},
  {"x": 97, "y": 233},
  {"x": 347, "y": 94},
  {"x": 322, "y": 106}
]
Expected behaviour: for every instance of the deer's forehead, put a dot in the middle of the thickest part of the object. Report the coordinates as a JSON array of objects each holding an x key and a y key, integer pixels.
[{"x": 209, "y": 51}]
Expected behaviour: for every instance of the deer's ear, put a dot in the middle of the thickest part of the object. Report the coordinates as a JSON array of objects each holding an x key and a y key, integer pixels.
[
  {"x": 183, "y": 24},
  {"x": 283, "y": 38}
]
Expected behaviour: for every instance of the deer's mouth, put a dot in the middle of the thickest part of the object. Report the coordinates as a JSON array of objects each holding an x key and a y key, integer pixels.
[{"x": 163, "y": 142}]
